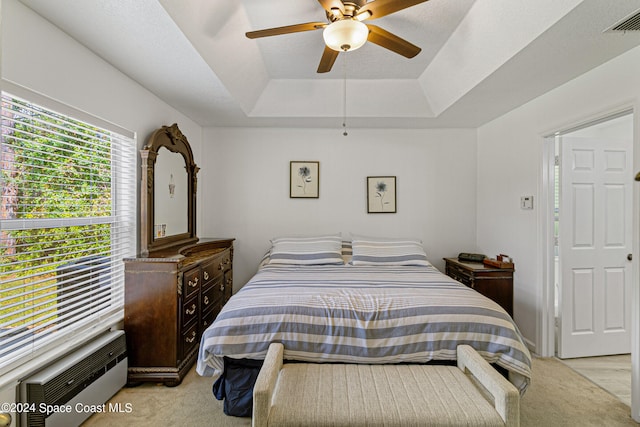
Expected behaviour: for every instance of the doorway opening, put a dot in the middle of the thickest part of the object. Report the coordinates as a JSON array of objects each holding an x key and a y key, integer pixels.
[{"x": 592, "y": 268}]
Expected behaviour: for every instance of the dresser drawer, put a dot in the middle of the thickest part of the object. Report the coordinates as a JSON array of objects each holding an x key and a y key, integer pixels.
[
  {"x": 190, "y": 311},
  {"x": 222, "y": 262},
  {"x": 210, "y": 315},
  {"x": 462, "y": 276},
  {"x": 209, "y": 273},
  {"x": 191, "y": 282},
  {"x": 207, "y": 319},
  {"x": 228, "y": 286},
  {"x": 217, "y": 267},
  {"x": 189, "y": 340},
  {"x": 212, "y": 295}
]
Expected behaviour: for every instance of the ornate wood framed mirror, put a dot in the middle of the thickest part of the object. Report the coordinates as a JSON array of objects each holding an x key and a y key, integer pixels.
[{"x": 168, "y": 192}]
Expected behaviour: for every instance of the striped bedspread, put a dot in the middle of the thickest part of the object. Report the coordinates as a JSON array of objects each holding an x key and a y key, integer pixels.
[{"x": 362, "y": 314}]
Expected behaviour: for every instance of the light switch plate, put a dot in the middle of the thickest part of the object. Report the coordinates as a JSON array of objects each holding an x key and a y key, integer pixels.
[{"x": 526, "y": 202}]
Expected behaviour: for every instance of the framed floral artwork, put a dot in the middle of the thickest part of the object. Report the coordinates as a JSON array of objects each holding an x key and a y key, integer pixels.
[
  {"x": 381, "y": 194},
  {"x": 304, "y": 179}
]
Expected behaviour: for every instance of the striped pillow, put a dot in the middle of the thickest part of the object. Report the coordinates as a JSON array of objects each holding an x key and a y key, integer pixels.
[
  {"x": 387, "y": 251},
  {"x": 310, "y": 250},
  {"x": 347, "y": 251}
]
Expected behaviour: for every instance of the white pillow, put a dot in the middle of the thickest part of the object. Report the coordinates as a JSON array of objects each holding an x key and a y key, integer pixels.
[
  {"x": 307, "y": 250},
  {"x": 388, "y": 251}
]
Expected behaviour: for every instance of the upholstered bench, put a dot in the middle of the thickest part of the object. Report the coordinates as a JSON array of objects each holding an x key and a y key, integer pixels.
[{"x": 307, "y": 394}]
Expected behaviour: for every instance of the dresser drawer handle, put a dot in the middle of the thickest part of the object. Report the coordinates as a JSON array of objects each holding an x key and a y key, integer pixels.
[
  {"x": 192, "y": 338},
  {"x": 206, "y": 276},
  {"x": 224, "y": 264},
  {"x": 206, "y": 300},
  {"x": 192, "y": 311},
  {"x": 194, "y": 283},
  {"x": 222, "y": 286}
]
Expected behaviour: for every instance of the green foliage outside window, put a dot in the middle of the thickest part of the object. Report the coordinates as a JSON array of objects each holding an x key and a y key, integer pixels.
[{"x": 52, "y": 167}]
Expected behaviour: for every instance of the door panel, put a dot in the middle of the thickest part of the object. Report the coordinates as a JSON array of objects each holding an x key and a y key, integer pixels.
[
  {"x": 614, "y": 216},
  {"x": 583, "y": 207},
  {"x": 582, "y": 286},
  {"x": 594, "y": 239},
  {"x": 614, "y": 299}
]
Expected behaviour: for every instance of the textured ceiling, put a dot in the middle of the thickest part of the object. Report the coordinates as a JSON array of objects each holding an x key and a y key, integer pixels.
[{"x": 479, "y": 59}]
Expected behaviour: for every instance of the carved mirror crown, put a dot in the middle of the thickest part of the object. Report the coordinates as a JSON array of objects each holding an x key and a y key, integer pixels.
[{"x": 168, "y": 192}]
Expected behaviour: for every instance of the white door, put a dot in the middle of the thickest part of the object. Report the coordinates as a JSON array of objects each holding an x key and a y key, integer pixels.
[{"x": 595, "y": 239}]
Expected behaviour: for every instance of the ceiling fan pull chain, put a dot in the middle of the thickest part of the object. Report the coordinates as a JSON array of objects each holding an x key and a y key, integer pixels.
[{"x": 344, "y": 102}]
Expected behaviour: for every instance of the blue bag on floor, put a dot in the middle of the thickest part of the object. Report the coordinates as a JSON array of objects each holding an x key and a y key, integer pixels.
[{"x": 235, "y": 386}]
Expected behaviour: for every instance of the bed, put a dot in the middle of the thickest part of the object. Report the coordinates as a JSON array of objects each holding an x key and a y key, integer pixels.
[{"x": 369, "y": 300}]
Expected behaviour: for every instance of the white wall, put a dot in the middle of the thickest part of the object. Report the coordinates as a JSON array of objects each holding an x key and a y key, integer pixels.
[
  {"x": 510, "y": 151},
  {"x": 37, "y": 55},
  {"x": 244, "y": 187}
]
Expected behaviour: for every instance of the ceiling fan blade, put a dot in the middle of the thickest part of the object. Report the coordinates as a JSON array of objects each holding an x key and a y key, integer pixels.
[
  {"x": 392, "y": 42},
  {"x": 379, "y": 8},
  {"x": 329, "y": 56},
  {"x": 328, "y": 5},
  {"x": 309, "y": 26}
]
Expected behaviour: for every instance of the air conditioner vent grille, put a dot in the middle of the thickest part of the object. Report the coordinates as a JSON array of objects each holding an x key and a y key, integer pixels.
[
  {"x": 89, "y": 374},
  {"x": 71, "y": 381},
  {"x": 631, "y": 23}
]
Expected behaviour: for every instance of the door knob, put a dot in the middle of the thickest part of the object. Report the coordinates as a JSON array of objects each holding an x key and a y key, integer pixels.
[{"x": 630, "y": 257}]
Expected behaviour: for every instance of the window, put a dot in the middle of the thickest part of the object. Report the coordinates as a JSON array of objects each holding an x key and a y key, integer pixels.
[{"x": 67, "y": 219}]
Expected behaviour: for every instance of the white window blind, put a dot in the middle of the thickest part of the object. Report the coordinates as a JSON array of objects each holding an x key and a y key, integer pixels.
[{"x": 67, "y": 219}]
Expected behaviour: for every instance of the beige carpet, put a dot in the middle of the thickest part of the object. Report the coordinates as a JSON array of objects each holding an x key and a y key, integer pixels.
[{"x": 557, "y": 397}]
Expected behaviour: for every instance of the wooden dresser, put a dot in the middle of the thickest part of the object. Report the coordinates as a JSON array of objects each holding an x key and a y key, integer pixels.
[
  {"x": 494, "y": 283},
  {"x": 171, "y": 297}
]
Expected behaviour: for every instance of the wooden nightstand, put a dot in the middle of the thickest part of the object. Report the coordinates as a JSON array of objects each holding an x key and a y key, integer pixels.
[{"x": 494, "y": 283}]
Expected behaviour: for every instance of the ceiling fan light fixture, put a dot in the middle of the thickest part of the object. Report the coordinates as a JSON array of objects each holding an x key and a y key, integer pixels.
[{"x": 345, "y": 35}]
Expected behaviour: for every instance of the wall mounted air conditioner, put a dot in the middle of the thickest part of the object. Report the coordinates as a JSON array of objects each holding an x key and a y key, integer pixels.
[{"x": 75, "y": 387}]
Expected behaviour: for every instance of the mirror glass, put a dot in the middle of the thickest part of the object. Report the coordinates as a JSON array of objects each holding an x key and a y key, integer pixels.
[
  {"x": 167, "y": 193},
  {"x": 170, "y": 188}
]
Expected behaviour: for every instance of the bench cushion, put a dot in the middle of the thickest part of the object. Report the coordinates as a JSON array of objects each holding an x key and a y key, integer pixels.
[{"x": 366, "y": 395}]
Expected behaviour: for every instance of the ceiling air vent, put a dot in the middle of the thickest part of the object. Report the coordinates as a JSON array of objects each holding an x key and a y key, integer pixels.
[{"x": 631, "y": 23}]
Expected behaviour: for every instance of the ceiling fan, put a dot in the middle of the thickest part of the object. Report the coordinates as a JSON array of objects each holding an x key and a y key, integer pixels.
[{"x": 345, "y": 30}]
